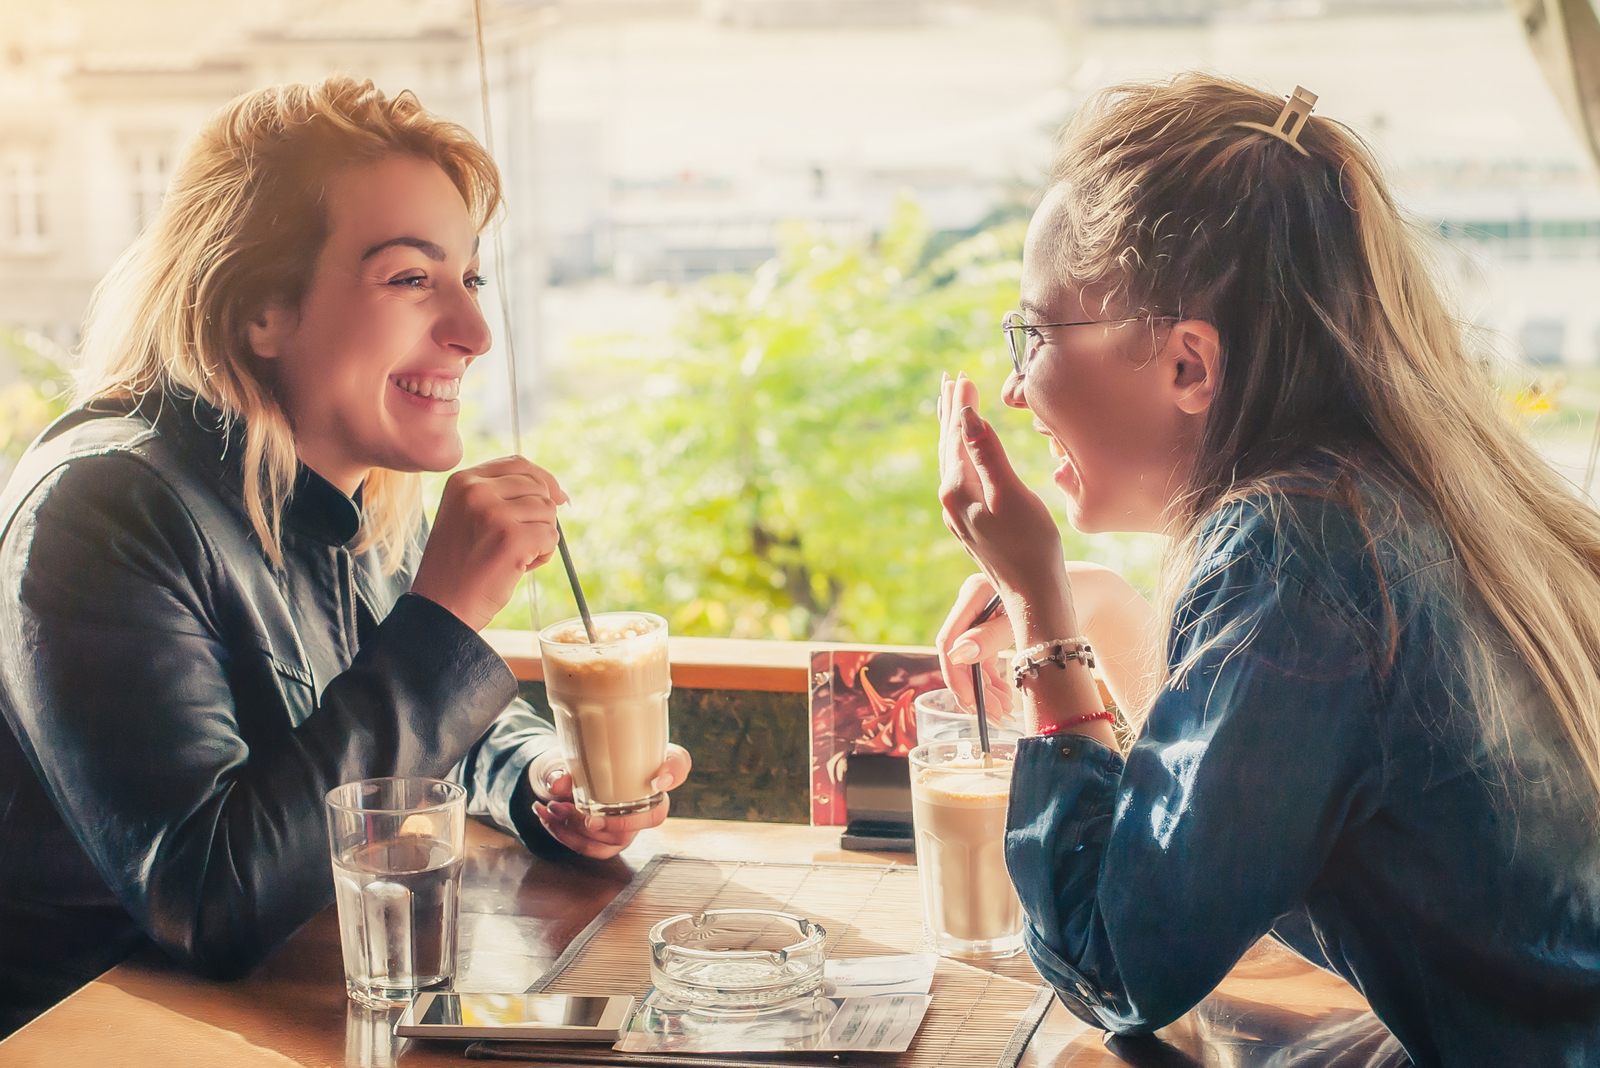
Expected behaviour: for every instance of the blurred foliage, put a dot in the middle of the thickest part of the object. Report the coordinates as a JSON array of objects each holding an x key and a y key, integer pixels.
[
  {"x": 770, "y": 470},
  {"x": 37, "y": 392}
]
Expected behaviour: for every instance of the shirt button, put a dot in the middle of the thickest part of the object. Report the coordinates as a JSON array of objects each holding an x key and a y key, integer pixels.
[{"x": 1066, "y": 750}]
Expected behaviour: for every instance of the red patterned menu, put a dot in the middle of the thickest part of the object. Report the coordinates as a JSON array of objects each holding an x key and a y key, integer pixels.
[{"x": 861, "y": 702}]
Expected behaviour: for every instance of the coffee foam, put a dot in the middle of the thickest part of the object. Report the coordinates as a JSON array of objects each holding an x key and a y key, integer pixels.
[
  {"x": 961, "y": 783},
  {"x": 630, "y": 657},
  {"x": 615, "y": 628}
]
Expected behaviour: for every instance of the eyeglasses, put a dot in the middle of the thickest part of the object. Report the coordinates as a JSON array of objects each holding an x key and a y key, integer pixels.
[{"x": 1020, "y": 333}]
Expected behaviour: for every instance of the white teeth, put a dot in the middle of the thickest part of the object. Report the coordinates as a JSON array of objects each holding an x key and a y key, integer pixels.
[{"x": 446, "y": 389}]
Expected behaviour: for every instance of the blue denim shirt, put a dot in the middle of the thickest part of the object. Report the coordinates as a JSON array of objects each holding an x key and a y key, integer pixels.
[{"x": 1318, "y": 767}]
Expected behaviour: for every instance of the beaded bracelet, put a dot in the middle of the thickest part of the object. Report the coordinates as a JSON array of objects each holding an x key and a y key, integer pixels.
[
  {"x": 1055, "y": 728},
  {"x": 1060, "y": 652}
]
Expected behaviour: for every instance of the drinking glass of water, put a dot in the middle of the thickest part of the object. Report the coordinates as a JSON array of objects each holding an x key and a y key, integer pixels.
[{"x": 398, "y": 847}]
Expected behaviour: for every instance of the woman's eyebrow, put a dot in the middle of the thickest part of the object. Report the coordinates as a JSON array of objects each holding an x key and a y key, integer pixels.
[{"x": 428, "y": 248}]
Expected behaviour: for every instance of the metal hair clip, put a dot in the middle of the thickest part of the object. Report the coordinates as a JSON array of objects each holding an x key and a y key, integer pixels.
[{"x": 1291, "y": 120}]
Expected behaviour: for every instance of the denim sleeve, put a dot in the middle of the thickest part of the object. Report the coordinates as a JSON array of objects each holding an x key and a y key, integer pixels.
[{"x": 1144, "y": 881}]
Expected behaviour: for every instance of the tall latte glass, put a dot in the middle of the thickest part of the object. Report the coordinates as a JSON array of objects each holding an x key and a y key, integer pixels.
[
  {"x": 958, "y": 809},
  {"x": 610, "y": 704}
]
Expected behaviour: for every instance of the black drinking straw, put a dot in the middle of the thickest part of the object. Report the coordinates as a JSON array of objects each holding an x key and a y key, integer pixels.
[
  {"x": 577, "y": 589},
  {"x": 977, "y": 676}
]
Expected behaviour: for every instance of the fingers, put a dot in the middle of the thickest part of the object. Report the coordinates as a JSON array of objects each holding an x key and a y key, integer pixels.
[
  {"x": 982, "y": 643},
  {"x": 596, "y": 836},
  {"x": 988, "y": 458},
  {"x": 674, "y": 770},
  {"x": 569, "y": 827},
  {"x": 997, "y": 690},
  {"x": 975, "y": 593},
  {"x": 521, "y": 466}
]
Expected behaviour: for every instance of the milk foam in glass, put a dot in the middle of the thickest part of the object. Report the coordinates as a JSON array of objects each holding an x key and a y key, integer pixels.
[
  {"x": 610, "y": 703},
  {"x": 958, "y": 811}
]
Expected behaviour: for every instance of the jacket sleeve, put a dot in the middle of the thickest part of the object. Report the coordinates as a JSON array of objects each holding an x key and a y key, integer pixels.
[
  {"x": 123, "y": 680},
  {"x": 1143, "y": 883},
  {"x": 495, "y": 770}
]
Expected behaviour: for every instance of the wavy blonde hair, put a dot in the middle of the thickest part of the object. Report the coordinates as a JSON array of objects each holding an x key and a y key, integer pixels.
[
  {"x": 241, "y": 226},
  {"x": 1337, "y": 341}
]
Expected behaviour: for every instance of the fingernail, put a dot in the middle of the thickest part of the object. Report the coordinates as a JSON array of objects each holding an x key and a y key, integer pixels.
[
  {"x": 595, "y": 823},
  {"x": 971, "y": 425},
  {"x": 660, "y": 782},
  {"x": 964, "y": 651}
]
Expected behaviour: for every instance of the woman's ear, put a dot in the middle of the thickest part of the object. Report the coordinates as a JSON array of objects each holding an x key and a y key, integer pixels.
[
  {"x": 1190, "y": 354},
  {"x": 269, "y": 329}
]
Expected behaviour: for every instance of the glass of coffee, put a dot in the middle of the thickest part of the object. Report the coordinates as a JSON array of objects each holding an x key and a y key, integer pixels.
[
  {"x": 958, "y": 811},
  {"x": 610, "y": 703},
  {"x": 398, "y": 846}
]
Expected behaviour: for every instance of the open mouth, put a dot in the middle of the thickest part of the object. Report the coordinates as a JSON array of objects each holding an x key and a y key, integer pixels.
[
  {"x": 440, "y": 389},
  {"x": 1056, "y": 449}
]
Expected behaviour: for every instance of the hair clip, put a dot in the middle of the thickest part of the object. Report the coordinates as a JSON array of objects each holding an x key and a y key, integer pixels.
[{"x": 1291, "y": 120}]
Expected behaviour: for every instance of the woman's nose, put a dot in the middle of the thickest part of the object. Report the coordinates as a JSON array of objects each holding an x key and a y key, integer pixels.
[
  {"x": 1011, "y": 393},
  {"x": 463, "y": 327}
]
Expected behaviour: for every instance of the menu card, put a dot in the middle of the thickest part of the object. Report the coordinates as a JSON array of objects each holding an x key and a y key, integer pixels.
[{"x": 861, "y": 702}]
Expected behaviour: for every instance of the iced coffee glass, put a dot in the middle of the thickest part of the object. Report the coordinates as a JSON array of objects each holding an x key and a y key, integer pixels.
[
  {"x": 610, "y": 705},
  {"x": 958, "y": 810}
]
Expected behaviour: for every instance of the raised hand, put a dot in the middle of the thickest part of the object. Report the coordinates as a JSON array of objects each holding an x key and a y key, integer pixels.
[
  {"x": 1002, "y": 524},
  {"x": 496, "y": 522}
]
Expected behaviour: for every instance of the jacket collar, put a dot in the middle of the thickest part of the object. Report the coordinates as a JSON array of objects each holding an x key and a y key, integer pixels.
[{"x": 316, "y": 509}]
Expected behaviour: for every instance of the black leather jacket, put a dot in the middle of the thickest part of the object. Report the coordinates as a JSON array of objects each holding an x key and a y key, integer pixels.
[{"x": 178, "y": 708}]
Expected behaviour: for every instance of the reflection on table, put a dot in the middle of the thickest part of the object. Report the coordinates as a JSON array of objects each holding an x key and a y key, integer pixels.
[{"x": 519, "y": 911}]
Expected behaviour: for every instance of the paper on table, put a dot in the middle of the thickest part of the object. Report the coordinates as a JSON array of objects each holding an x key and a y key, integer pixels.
[{"x": 868, "y": 1003}]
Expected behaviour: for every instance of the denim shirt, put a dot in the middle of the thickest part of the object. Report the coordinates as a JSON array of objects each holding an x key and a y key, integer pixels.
[{"x": 1317, "y": 767}]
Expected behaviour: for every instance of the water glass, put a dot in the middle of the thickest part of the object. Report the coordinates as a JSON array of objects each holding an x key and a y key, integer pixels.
[
  {"x": 398, "y": 847},
  {"x": 940, "y": 719},
  {"x": 958, "y": 812}
]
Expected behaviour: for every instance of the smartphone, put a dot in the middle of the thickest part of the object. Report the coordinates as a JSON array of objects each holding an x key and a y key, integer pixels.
[{"x": 517, "y": 1017}]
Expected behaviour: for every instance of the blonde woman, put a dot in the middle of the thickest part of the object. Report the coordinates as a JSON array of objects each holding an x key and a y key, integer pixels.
[
  {"x": 219, "y": 596},
  {"x": 1370, "y": 708}
]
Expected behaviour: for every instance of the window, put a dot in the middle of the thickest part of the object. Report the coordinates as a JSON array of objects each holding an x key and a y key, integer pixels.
[
  {"x": 150, "y": 169},
  {"x": 22, "y": 218}
]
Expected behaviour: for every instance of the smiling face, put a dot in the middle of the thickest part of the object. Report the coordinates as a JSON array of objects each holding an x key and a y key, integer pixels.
[
  {"x": 368, "y": 368},
  {"x": 1122, "y": 403}
]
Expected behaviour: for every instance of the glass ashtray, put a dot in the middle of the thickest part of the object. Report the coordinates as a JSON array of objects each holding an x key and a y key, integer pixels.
[{"x": 736, "y": 958}]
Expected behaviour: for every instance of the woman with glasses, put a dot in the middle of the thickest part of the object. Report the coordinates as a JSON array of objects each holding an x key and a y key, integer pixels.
[
  {"x": 1367, "y": 706},
  {"x": 220, "y": 596}
]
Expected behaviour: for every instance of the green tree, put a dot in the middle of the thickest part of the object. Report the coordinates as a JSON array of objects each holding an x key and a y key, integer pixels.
[{"x": 774, "y": 472}]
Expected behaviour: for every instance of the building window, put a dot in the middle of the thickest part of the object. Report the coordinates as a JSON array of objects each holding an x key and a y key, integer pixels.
[
  {"x": 150, "y": 172},
  {"x": 22, "y": 219}
]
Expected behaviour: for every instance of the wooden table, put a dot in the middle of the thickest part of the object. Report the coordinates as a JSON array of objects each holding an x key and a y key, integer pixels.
[{"x": 520, "y": 911}]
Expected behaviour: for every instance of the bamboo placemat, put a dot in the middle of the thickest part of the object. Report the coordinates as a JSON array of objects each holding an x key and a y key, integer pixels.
[{"x": 981, "y": 1016}]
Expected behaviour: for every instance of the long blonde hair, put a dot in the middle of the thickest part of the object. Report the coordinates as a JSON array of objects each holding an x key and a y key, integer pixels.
[
  {"x": 242, "y": 225},
  {"x": 1336, "y": 340}
]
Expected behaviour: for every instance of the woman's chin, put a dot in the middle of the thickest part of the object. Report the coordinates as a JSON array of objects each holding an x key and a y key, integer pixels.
[{"x": 428, "y": 456}]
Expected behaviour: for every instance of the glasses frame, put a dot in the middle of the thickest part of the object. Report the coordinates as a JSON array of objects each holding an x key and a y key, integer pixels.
[{"x": 1013, "y": 320}]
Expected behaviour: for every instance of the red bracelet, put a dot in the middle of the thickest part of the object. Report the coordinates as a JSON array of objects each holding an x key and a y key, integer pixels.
[{"x": 1054, "y": 728}]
